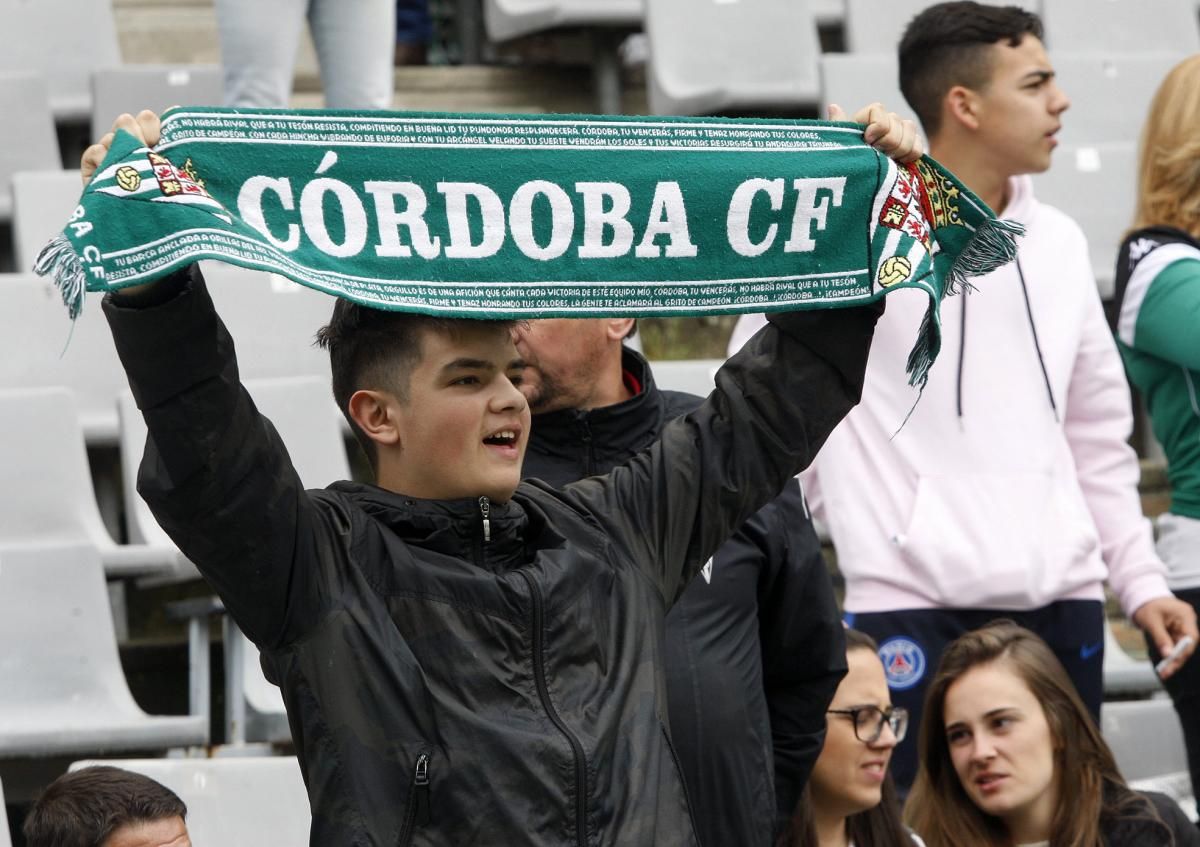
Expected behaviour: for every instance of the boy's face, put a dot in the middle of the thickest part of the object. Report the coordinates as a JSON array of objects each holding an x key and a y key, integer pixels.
[
  {"x": 1020, "y": 110},
  {"x": 465, "y": 424}
]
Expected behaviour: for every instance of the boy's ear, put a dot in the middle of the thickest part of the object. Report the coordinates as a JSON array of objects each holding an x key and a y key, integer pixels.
[
  {"x": 376, "y": 413},
  {"x": 962, "y": 106}
]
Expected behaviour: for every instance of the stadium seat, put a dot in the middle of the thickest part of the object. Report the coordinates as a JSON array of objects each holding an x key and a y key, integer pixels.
[
  {"x": 874, "y": 27},
  {"x": 854, "y": 79},
  {"x": 42, "y": 204},
  {"x": 5, "y": 838},
  {"x": 234, "y": 801},
  {"x": 725, "y": 58},
  {"x": 30, "y": 142},
  {"x": 1095, "y": 185},
  {"x": 46, "y": 482},
  {"x": 1145, "y": 737},
  {"x": 1123, "y": 674},
  {"x": 131, "y": 88},
  {"x": 608, "y": 21},
  {"x": 695, "y": 376},
  {"x": 1097, "y": 81},
  {"x": 1122, "y": 26},
  {"x": 64, "y": 691},
  {"x": 65, "y": 40},
  {"x": 39, "y": 346}
]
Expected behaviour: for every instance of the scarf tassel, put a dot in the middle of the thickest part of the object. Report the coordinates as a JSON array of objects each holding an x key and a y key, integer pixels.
[
  {"x": 59, "y": 261},
  {"x": 993, "y": 244}
]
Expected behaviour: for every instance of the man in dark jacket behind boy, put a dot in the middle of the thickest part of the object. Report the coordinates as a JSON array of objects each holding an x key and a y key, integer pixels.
[
  {"x": 754, "y": 645},
  {"x": 465, "y": 658}
]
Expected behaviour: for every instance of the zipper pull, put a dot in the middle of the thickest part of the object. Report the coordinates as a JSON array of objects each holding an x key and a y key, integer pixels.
[
  {"x": 421, "y": 790},
  {"x": 485, "y": 508}
]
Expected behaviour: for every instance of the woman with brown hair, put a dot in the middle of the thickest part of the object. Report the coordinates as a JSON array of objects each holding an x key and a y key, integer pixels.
[
  {"x": 1158, "y": 334},
  {"x": 850, "y": 800},
  {"x": 1010, "y": 757}
]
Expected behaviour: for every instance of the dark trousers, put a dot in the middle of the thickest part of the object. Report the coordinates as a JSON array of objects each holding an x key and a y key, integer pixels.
[
  {"x": 1184, "y": 688},
  {"x": 911, "y": 642}
]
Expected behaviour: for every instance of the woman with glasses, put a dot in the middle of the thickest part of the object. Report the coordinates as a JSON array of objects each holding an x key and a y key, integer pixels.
[
  {"x": 1010, "y": 757},
  {"x": 850, "y": 800}
]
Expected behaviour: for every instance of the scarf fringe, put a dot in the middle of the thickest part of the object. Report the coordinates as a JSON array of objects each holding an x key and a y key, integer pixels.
[
  {"x": 994, "y": 244},
  {"x": 59, "y": 261}
]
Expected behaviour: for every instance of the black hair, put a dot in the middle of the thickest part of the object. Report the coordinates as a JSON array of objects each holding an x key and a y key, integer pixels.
[
  {"x": 377, "y": 349},
  {"x": 946, "y": 45},
  {"x": 81, "y": 809}
]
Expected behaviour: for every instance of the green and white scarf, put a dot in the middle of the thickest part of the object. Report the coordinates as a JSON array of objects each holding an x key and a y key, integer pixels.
[{"x": 532, "y": 216}]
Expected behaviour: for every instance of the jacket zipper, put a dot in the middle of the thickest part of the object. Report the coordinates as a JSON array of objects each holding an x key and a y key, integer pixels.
[
  {"x": 418, "y": 801},
  {"x": 485, "y": 509},
  {"x": 539, "y": 673}
]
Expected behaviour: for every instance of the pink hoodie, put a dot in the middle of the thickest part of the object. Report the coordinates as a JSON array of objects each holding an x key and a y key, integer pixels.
[{"x": 1016, "y": 502}]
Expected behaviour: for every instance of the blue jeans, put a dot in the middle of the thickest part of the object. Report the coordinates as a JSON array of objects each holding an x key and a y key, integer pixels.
[
  {"x": 413, "y": 23},
  {"x": 355, "y": 41}
]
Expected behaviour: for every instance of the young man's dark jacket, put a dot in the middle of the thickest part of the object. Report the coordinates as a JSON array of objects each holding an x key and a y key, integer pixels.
[
  {"x": 754, "y": 646},
  {"x": 463, "y": 672}
]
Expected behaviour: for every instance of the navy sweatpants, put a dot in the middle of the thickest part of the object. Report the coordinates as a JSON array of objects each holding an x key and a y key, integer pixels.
[
  {"x": 1184, "y": 688},
  {"x": 911, "y": 642}
]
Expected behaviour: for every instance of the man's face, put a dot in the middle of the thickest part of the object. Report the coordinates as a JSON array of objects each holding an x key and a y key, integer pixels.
[
  {"x": 164, "y": 832},
  {"x": 564, "y": 358},
  {"x": 465, "y": 424},
  {"x": 1020, "y": 110}
]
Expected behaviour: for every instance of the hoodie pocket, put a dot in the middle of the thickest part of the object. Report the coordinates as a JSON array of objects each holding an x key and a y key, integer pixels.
[{"x": 418, "y": 810}]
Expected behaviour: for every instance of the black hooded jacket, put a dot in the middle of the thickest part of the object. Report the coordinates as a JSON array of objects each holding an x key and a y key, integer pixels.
[
  {"x": 465, "y": 672},
  {"x": 754, "y": 646}
]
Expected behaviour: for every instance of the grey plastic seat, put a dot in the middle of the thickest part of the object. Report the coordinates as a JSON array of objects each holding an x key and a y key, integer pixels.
[
  {"x": 64, "y": 691},
  {"x": 42, "y": 203},
  {"x": 1122, "y": 26},
  {"x": 695, "y": 376},
  {"x": 30, "y": 142},
  {"x": 65, "y": 40},
  {"x": 47, "y": 484},
  {"x": 131, "y": 88},
  {"x": 39, "y": 346},
  {"x": 875, "y": 27},
  {"x": 1123, "y": 674},
  {"x": 708, "y": 58},
  {"x": 853, "y": 80},
  {"x": 1095, "y": 185},
  {"x": 1097, "y": 81},
  {"x": 306, "y": 418},
  {"x": 1145, "y": 737},
  {"x": 234, "y": 801}
]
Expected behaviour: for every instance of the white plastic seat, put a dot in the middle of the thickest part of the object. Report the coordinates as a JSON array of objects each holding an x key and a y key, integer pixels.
[
  {"x": 47, "y": 485},
  {"x": 695, "y": 376},
  {"x": 1123, "y": 674},
  {"x": 720, "y": 57},
  {"x": 30, "y": 142},
  {"x": 1096, "y": 82},
  {"x": 1095, "y": 185},
  {"x": 1145, "y": 737},
  {"x": 853, "y": 80},
  {"x": 234, "y": 801},
  {"x": 64, "y": 691},
  {"x": 65, "y": 40},
  {"x": 1122, "y": 26},
  {"x": 42, "y": 204},
  {"x": 507, "y": 19},
  {"x": 131, "y": 88},
  {"x": 874, "y": 27}
]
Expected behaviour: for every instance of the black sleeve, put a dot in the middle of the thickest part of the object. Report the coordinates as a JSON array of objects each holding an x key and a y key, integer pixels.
[
  {"x": 215, "y": 473},
  {"x": 1186, "y": 833},
  {"x": 802, "y": 638},
  {"x": 775, "y": 403}
]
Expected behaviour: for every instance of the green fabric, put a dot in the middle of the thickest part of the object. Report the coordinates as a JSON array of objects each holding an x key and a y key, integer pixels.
[
  {"x": 1164, "y": 366},
  {"x": 533, "y": 216}
]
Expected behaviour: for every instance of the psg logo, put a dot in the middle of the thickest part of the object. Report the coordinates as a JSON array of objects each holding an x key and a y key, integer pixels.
[{"x": 903, "y": 662}]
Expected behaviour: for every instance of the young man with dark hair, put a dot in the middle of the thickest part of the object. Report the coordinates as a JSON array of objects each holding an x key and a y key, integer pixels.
[
  {"x": 102, "y": 806},
  {"x": 466, "y": 659},
  {"x": 1011, "y": 489},
  {"x": 754, "y": 646}
]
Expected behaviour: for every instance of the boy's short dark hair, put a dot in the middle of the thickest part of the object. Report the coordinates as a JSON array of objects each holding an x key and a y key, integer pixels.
[
  {"x": 81, "y": 809},
  {"x": 945, "y": 45},
  {"x": 377, "y": 349}
]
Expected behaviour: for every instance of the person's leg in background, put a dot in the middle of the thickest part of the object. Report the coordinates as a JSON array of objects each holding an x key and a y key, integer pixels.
[
  {"x": 1184, "y": 688},
  {"x": 259, "y": 41},
  {"x": 355, "y": 42},
  {"x": 414, "y": 32}
]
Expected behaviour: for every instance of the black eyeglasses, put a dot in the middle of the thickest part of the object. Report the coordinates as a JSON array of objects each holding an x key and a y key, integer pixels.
[{"x": 869, "y": 721}]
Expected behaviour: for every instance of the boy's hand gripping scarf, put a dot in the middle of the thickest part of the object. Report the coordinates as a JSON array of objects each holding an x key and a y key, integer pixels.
[{"x": 533, "y": 216}]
